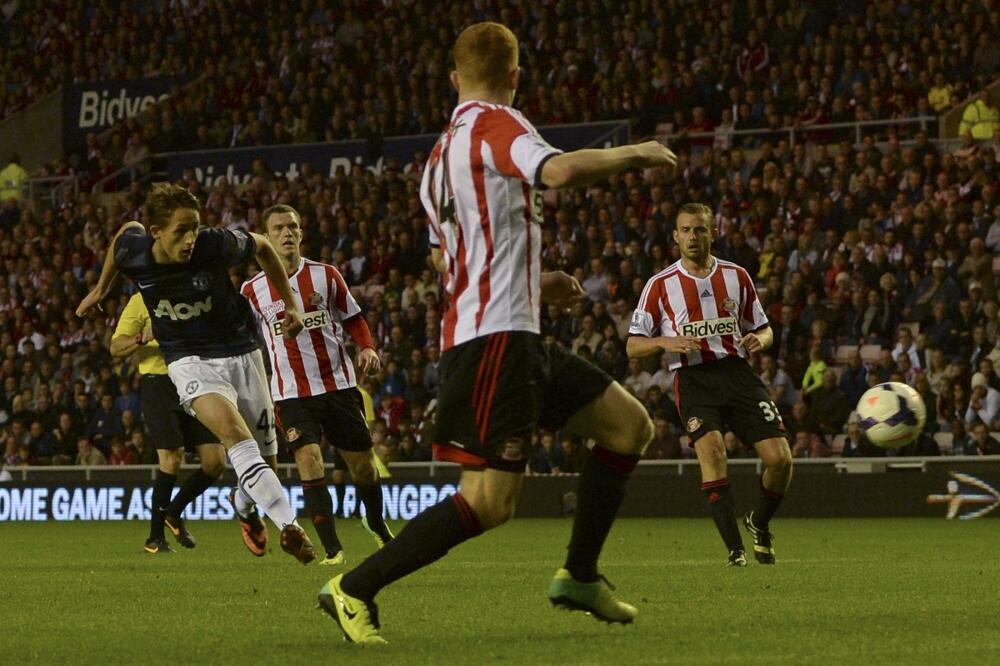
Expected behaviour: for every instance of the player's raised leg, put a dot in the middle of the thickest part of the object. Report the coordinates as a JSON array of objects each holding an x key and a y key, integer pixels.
[
  {"x": 255, "y": 477},
  {"x": 774, "y": 482},
  {"x": 622, "y": 429},
  {"x": 369, "y": 487}
]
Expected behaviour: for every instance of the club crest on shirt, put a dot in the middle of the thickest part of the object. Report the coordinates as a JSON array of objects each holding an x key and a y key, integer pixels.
[
  {"x": 201, "y": 282},
  {"x": 292, "y": 434},
  {"x": 693, "y": 424},
  {"x": 191, "y": 386},
  {"x": 729, "y": 305},
  {"x": 270, "y": 311},
  {"x": 316, "y": 298}
]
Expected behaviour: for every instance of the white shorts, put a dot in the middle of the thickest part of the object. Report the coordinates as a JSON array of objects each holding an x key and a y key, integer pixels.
[{"x": 239, "y": 379}]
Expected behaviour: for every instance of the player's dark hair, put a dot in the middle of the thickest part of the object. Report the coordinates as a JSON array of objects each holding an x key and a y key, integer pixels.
[
  {"x": 279, "y": 209},
  {"x": 164, "y": 199}
]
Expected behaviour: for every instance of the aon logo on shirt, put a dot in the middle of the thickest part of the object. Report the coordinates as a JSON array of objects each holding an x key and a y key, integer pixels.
[
  {"x": 310, "y": 320},
  {"x": 182, "y": 311},
  {"x": 710, "y": 328}
]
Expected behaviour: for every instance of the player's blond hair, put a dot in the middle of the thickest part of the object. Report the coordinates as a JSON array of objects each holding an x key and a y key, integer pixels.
[
  {"x": 485, "y": 54},
  {"x": 164, "y": 199},
  {"x": 698, "y": 209}
]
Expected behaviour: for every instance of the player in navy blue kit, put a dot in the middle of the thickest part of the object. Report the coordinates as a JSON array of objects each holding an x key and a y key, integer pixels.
[{"x": 208, "y": 338}]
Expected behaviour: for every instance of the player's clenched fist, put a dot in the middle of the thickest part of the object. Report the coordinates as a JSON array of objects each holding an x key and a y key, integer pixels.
[
  {"x": 654, "y": 154},
  {"x": 291, "y": 325}
]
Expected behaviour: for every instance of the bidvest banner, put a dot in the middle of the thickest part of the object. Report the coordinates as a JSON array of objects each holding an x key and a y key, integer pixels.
[
  {"x": 236, "y": 164},
  {"x": 94, "y": 107}
]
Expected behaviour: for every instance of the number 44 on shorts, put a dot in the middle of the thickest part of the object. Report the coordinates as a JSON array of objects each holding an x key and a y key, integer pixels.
[
  {"x": 770, "y": 411},
  {"x": 264, "y": 422}
]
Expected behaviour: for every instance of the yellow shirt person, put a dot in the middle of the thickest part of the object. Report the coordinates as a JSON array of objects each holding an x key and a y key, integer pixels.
[
  {"x": 133, "y": 323},
  {"x": 980, "y": 118},
  {"x": 11, "y": 177}
]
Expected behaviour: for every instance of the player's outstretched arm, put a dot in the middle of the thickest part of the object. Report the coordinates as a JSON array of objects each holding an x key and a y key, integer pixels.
[
  {"x": 639, "y": 346},
  {"x": 271, "y": 264},
  {"x": 583, "y": 167},
  {"x": 108, "y": 273}
]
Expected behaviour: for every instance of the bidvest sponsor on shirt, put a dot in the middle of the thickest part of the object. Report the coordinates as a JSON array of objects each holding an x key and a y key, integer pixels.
[
  {"x": 710, "y": 328},
  {"x": 310, "y": 320}
]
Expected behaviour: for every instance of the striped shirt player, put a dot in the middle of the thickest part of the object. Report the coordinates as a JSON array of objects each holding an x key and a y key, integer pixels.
[
  {"x": 316, "y": 360},
  {"x": 714, "y": 387},
  {"x": 481, "y": 192},
  {"x": 704, "y": 313},
  {"x": 313, "y": 379},
  {"x": 717, "y": 310}
]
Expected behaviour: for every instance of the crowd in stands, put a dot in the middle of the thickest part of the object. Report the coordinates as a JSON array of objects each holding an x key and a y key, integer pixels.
[
  {"x": 873, "y": 265},
  {"x": 313, "y": 70},
  {"x": 875, "y": 261}
]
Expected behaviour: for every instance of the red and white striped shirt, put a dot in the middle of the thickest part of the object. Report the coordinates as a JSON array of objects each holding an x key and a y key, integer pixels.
[
  {"x": 717, "y": 309},
  {"x": 316, "y": 361},
  {"x": 485, "y": 215}
]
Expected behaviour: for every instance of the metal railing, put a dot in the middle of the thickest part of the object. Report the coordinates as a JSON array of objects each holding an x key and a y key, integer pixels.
[
  {"x": 54, "y": 190},
  {"x": 682, "y": 465},
  {"x": 792, "y": 132}
]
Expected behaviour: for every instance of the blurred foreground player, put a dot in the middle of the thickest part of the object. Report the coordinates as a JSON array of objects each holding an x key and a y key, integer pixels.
[
  {"x": 171, "y": 428},
  {"x": 205, "y": 330},
  {"x": 313, "y": 381},
  {"x": 498, "y": 382},
  {"x": 704, "y": 313}
]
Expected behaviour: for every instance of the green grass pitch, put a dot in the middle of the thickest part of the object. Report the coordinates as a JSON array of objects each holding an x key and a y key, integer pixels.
[{"x": 908, "y": 591}]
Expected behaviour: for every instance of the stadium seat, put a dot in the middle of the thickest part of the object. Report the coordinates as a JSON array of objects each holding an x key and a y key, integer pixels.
[
  {"x": 869, "y": 353},
  {"x": 844, "y": 353},
  {"x": 944, "y": 441}
]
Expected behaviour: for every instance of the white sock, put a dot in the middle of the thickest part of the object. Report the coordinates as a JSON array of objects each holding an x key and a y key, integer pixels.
[
  {"x": 258, "y": 480},
  {"x": 244, "y": 503}
]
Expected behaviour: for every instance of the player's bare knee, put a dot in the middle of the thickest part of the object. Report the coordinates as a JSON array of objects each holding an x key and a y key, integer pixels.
[
  {"x": 309, "y": 461},
  {"x": 170, "y": 460}
]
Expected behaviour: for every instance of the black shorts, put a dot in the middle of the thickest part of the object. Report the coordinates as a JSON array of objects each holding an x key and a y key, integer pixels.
[
  {"x": 495, "y": 390},
  {"x": 166, "y": 422},
  {"x": 723, "y": 395},
  {"x": 339, "y": 414}
]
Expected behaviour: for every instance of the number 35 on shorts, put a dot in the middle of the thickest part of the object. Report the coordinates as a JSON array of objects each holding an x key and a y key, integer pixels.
[{"x": 770, "y": 411}]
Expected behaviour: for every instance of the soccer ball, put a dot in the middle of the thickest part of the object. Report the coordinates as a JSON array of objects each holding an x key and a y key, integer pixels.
[{"x": 892, "y": 415}]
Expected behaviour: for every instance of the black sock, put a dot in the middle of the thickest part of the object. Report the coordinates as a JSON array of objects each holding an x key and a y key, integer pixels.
[
  {"x": 193, "y": 486},
  {"x": 722, "y": 508},
  {"x": 601, "y": 491},
  {"x": 371, "y": 497},
  {"x": 341, "y": 490},
  {"x": 320, "y": 507},
  {"x": 769, "y": 502},
  {"x": 424, "y": 540},
  {"x": 162, "y": 487}
]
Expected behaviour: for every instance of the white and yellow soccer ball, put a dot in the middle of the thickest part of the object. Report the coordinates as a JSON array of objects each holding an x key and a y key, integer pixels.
[{"x": 891, "y": 415}]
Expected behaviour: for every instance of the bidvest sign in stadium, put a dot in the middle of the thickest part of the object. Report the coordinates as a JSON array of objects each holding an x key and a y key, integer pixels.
[
  {"x": 94, "y": 107},
  {"x": 236, "y": 164}
]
